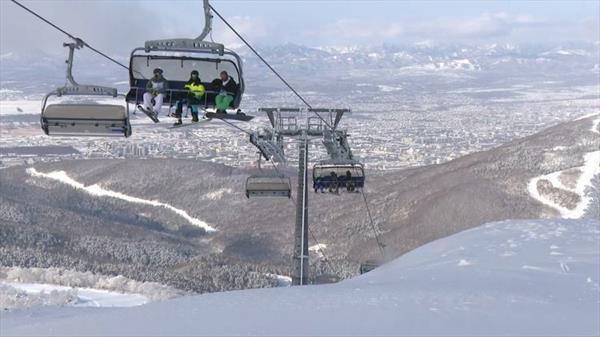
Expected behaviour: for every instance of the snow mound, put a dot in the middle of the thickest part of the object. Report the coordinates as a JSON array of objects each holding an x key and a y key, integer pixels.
[
  {"x": 66, "y": 280},
  {"x": 528, "y": 277},
  {"x": 218, "y": 194},
  {"x": 27, "y": 295}
]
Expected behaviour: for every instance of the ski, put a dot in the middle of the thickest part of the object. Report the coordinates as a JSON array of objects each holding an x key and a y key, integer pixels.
[
  {"x": 235, "y": 116},
  {"x": 151, "y": 114}
]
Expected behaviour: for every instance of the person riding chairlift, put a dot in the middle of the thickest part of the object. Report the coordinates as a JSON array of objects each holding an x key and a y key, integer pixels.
[
  {"x": 349, "y": 183},
  {"x": 156, "y": 89},
  {"x": 318, "y": 185},
  {"x": 195, "y": 93},
  {"x": 334, "y": 184},
  {"x": 227, "y": 89}
]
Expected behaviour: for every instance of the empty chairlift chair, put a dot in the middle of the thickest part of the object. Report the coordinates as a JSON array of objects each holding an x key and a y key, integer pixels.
[
  {"x": 84, "y": 119},
  {"x": 268, "y": 186},
  {"x": 368, "y": 265}
]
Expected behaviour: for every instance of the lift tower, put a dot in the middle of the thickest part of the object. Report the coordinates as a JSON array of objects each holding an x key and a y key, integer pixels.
[{"x": 303, "y": 126}]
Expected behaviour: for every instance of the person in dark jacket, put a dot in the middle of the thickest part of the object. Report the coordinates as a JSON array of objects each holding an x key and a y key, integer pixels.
[
  {"x": 334, "y": 183},
  {"x": 194, "y": 97},
  {"x": 227, "y": 89},
  {"x": 349, "y": 183}
]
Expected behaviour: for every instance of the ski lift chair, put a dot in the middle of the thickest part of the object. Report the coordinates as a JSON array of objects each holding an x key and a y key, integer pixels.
[
  {"x": 368, "y": 265},
  {"x": 268, "y": 186},
  {"x": 324, "y": 181},
  {"x": 177, "y": 58},
  {"x": 84, "y": 119}
]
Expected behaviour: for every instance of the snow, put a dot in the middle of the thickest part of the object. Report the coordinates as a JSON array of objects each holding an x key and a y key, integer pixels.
[
  {"x": 282, "y": 280},
  {"x": 425, "y": 292},
  {"x": 27, "y": 107},
  {"x": 567, "y": 52},
  {"x": 82, "y": 297},
  {"x": 388, "y": 88},
  {"x": 97, "y": 190},
  {"x": 76, "y": 279},
  {"x": 590, "y": 168},
  {"x": 595, "y": 123},
  {"x": 318, "y": 248},
  {"x": 218, "y": 194}
]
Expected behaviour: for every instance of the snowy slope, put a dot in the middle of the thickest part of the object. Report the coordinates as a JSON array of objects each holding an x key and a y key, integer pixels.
[
  {"x": 580, "y": 179},
  {"x": 565, "y": 190},
  {"x": 527, "y": 277},
  {"x": 44, "y": 294}
]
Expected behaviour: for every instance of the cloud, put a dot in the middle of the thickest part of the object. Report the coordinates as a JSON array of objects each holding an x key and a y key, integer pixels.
[
  {"x": 486, "y": 25},
  {"x": 251, "y": 28},
  {"x": 115, "y": 27},
  {"x": 483, "y": 26},
  {"x": 591, "y": 28},
  {"x": 356, "y": 31}
]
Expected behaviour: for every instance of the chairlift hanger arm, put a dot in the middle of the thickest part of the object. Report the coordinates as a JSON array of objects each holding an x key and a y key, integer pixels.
[
  {"x": 78, "y": 44},
  {"x": 207, "y": 21},
  {"x": 269, "y": 145},
  {"x": 74, "y": 88},
  {"x": 190, "y": 44}
]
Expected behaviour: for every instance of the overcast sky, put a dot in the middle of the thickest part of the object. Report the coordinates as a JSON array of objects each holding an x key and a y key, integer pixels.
[{"x": 118, "y": 26}]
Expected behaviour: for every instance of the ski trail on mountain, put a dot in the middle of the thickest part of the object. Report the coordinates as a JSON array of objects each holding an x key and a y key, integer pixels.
[
  {"x": 595, "y": 123},
  {"x": 97, "y": 190},
  {"x": 590, "y": 168}
]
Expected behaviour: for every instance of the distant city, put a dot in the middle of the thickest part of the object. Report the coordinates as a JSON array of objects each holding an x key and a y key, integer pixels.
[{"x": 410, "y": 107}]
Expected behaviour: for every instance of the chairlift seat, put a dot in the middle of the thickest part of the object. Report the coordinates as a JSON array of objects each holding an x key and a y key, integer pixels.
[
  {"x": 368, "y": 265},
  {"x": 86, "y": 120},
  {"x": 177, "y": 66},
  {"x": 322, "y": 179},
  {"x": 263, "y": 186},
  {"x": 176, "y": 92}
]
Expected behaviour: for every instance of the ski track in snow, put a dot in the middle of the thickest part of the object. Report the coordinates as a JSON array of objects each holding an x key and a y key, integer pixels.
[
  {"x": 97, "y": 190},
  {"x": 590, "y": 168}
]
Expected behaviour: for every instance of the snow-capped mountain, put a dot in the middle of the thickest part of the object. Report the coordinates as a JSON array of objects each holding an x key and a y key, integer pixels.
[{"x": 296, "y": 61}]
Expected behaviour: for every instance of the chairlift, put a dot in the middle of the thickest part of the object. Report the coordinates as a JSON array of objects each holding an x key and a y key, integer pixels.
[
  {"x": 267, "y": 183},
  {"x": 84, "y": 119},
  {"x": 368, "y": 265},
  {"x": 177, "y": 58},
  {"x": 332, "y": 176},
  {"x": 268, "y": 186}
]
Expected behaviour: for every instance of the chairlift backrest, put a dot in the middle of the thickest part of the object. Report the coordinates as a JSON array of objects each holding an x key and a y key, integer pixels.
[
  {"x": 178, "y": 67},
  {"x": 268, "y": 186},
  {"x": 178, "y": 58},
  {"x": 355, "y": 169},
  {"x": 83, "y": 119}
]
